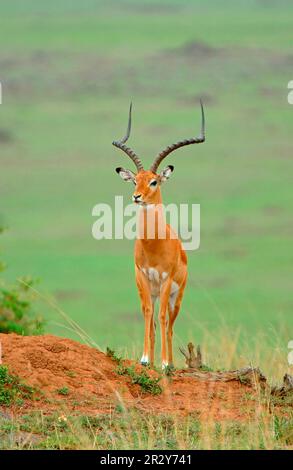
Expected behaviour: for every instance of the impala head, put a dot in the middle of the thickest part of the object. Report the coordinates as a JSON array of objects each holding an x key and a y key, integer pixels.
[{"x": 147, "y": 182}]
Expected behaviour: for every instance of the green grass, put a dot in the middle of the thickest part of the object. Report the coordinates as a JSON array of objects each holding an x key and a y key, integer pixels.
[
  {"x": 130, "y": 429},
  {"x": 68, "y": 74}
]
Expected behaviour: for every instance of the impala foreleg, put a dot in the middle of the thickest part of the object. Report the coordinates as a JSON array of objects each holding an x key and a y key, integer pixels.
[
  {"x": 147, "y": 310},
  {"x": 164, "y": 300},
  {"x": 152, "y": 334}
]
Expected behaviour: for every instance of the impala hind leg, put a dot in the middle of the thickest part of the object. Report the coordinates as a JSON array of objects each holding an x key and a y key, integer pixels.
[
  {"x": 147, "y": 310},
  {"x": 174, "y": 305}
]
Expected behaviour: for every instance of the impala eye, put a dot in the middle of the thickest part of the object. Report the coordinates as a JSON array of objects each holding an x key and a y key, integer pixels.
[{"x": 153, "y": 183}]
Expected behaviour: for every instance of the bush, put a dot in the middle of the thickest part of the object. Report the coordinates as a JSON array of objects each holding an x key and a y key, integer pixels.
[
  {"x": 12, "y": 390},
  {"x": 16, "y": 311}
]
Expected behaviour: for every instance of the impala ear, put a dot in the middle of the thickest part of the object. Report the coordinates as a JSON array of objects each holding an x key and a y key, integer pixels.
[
  {"x": 166, "y": 173},
  {"x": 126, "y": 175}
]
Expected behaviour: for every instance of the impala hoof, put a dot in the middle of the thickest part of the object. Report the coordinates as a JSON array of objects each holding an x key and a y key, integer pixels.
[
  {"x": 144, "y": 361},
  {"x": 165, "y": 365}
]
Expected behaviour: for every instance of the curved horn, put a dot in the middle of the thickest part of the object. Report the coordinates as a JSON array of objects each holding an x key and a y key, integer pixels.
[
  {"x": 120, "y": 144},
  {"x": 182, "y": 143}
]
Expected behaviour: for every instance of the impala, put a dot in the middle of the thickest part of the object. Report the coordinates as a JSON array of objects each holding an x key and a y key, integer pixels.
[{"x": 160, "y": 262}]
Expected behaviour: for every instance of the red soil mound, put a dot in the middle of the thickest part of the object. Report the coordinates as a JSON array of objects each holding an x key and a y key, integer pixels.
[{"x": 92, "y": 384}]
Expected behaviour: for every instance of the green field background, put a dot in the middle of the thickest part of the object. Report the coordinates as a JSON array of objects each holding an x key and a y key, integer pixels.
[{"x": 68, "y": 71}]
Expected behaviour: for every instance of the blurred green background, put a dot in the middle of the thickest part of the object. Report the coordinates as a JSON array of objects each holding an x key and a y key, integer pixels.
[{"x": 69, "y": 70}]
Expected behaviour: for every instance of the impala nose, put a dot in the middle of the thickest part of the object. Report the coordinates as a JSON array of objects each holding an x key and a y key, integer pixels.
[{"x": 136, "y": 198}]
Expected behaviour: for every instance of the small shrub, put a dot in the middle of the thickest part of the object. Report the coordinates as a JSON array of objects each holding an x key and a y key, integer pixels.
[
  {"x": 147, "y": 383},
  {"x": 12, "y": 390},
  {"x": 16, "y": 311},
  {"x": 111, "y": 353},
  {"x": 63, "y": 391}
]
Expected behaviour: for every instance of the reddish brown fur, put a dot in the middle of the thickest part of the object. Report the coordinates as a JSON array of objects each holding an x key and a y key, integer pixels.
[{"x": 165, "y": 256}]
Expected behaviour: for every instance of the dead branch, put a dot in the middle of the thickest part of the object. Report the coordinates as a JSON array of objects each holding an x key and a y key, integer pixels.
[
  {"x": 192, "y": 361},
  {"x": 247, "y": 375},
  {"x": 286, "y": 388}
]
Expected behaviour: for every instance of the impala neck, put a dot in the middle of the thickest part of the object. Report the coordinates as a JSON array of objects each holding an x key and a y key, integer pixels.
[{"x": 151, "y": 221}]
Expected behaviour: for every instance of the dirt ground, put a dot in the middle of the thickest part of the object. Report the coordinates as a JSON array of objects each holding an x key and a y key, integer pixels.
[{"x": 89, "y": 378}]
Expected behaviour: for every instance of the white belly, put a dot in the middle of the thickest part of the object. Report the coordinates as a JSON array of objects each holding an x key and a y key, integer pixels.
[{"x": 156, "y": 280}]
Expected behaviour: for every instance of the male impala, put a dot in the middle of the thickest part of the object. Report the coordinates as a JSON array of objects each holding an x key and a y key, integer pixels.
[{"x": 160, "y": 262}]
